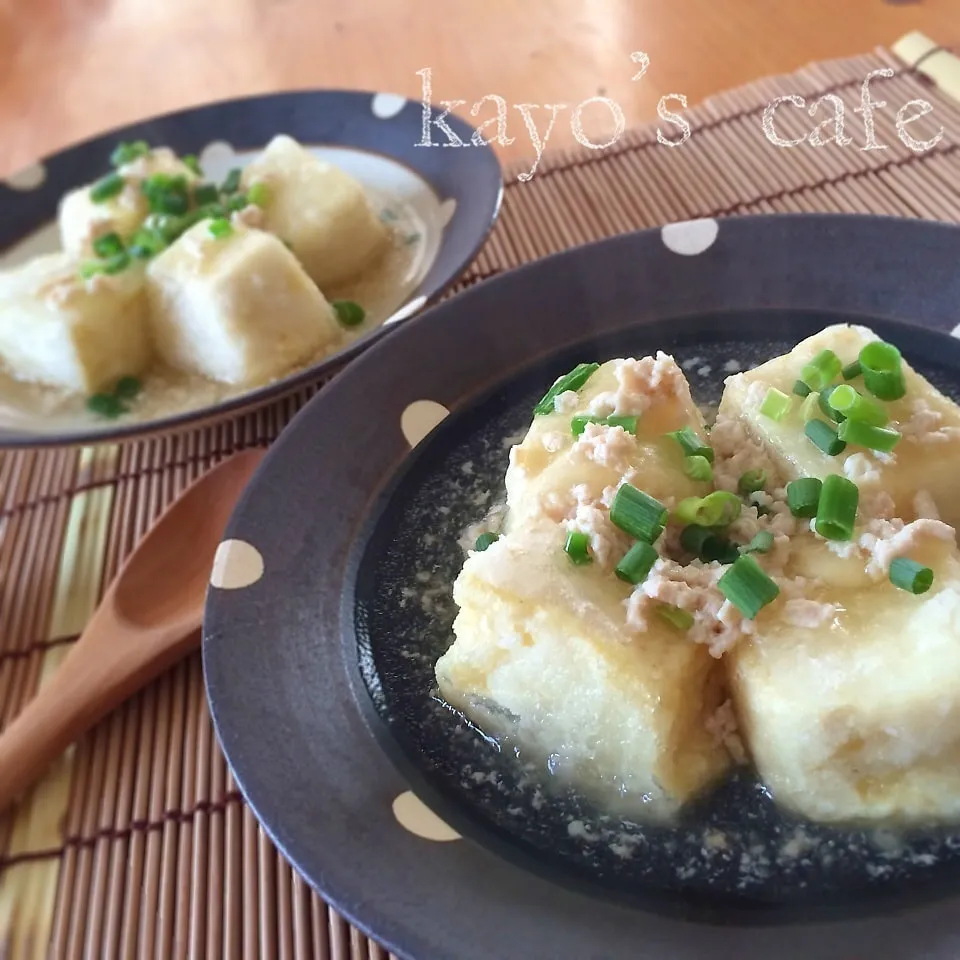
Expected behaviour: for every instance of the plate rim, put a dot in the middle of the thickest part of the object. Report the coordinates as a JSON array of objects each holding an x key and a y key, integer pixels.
[
  {"x": 836, "y": 227},
  {"x": 230, "y": 408}
]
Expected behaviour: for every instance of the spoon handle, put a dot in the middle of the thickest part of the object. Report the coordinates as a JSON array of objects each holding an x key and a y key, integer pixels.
[{"x": 94, "y": 678}]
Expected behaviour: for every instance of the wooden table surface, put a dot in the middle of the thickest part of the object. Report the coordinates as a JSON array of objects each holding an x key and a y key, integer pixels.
[{"x": 73, "y": 68}]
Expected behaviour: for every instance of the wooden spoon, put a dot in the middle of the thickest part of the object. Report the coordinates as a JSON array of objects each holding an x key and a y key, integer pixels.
[{"x": 148, "y": 619}]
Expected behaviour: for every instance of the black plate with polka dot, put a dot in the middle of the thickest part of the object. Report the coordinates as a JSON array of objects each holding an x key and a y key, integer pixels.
[{"x": 320, "y": 669}]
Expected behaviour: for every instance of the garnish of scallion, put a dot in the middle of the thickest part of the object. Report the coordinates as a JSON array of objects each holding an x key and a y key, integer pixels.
[
  {"x": 752, "y": 481},
  {"x": 748, "y": 587},
  {"x": 109, "y": 245},
  {"x": 881, "y": 366},
  {"x": 837, "y": 508},
  {"x": 125, "y": 153},
  {"x": 803, "y": 495},
  {"x": 259, "y": 194},
  {"x": 800, "y": 389},
  {"x": 127, "y": 388},
  {"x": 762, "y": 542},
  {"x": 220, "y": 228},
  {"x": 680, "y": 619},
  {"x": 861, "y": 434},
  {"x": 911, "y": 576},
  {"x": 349, "y": 314},
  {"x": 824, "y": 437},
  {"x": 707, "y": 545},
  {"x": 697, "y": 468},
  {"x": 810, "y": 407},
  {"x": 854, "y": 406},
  {"x": 637, "y": 562},
  {"x": 717, "y": 509},
  {"x": 577, "y": 548},
  {"x": 204, "y": 193},
  {"x": 851, "y": 371},
  {"x": 105, "y": 405},
  {"x": 573, "y": 380},
  {"x": 822, "y": 370},
  {"x": 166, "y": 193},
  {"x": 638, "y": 514},
  {"x": 191, "y": 162},
  {"x": 691, "y": 444},
  {"x": 107, "y": 187},
  {"x": 231, "y": 183},
  {"x": 776, "y": 404},
  {"x": 579, "y": 423},
  {"x": 484, "y": 541},
  {"x": 826, "y": 407}
]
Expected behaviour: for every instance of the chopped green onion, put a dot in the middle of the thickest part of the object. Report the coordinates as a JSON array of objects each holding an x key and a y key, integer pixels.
[
  {"x": 776, "y": 404},
  {"x": 851, "y": 371},
  {"x": 146, "y": 243},
  {"x": 108, "y": 245},
  {"x": 573, "y": 380},
  {"x": 822, "y": 370},
  {"x": 880, "y": 364},
  {"x": 707, "y": 544},
  {"x": 697, "y": 468},
  {"x": 577, "y": 548},
  {"x": 747, "y": 587},
  {"x": 717, "y": 509},
  {"x": 111, "y": 265},
  {"x": 873, "y": 438},
  {"x": 127, "y": 388},
  {"x": 691, "y": 444},
  {"x": 824, "y": 436},
  {"x": 107, "y": 187},
  {"x": 801, "y": 389},
  {"x": 803, "y": 495},
  {"x": 681, "y": 619},
  {"x": 484, "y": 541},
  {"x": 579, "y": 423},
  {"x": 125, "y": 153},
  {"x": 638, "y": 514},
  {"x": 166, "y": 226},
  {"x": 166, "y": 193},
  {"x": 752, "y": 481},
  {"x": 810, "y": 407},
  {"x": 106, "y": 405},
  {"x": 204, "y": 193},
  {"x": 637, "y": 562},
  {"x": 231, "y": 183},
  {"x": 854, "y": 406},
  {"x": 191, "y": 162},
  {"x": 350, "y": 314},
  {"x": 762, "y": 542},
  {"x": 911, "y": 576},
  {"x": 837, "y": 509},
  {"x": 237, "y": 202},
  {"x": 826, "y": 408},
  {"x": 259, "y": 194},
  {"x": 221, "y": 228}
]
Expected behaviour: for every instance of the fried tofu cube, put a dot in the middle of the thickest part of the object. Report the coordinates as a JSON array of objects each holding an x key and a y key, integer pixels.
[
  {"x": 237, "y": 309},
  {"x": 82, "y": 220},
  {"x": 541, "y": 656},
  {"x": 653, "y": 389},
  {"x": 79, "y": 335},
  {"x": 849, "y": 701},
  {"x": 927, "y": 458},
  {"x": 543, "y": 650},
  {"x": 319, "y": 209}
]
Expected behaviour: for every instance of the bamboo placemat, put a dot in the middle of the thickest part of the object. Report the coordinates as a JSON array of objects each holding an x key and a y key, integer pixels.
[{"x": 138, "y": 843}]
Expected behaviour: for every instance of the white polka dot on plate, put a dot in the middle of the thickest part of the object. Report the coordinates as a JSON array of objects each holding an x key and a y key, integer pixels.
[
  {"x": 237, "y": 564},
  {"x": 387, "y": 105},
  {"x": 29, "y": 178},
  {"x": 690, "y": 237},
  {"x": 414, "y": 815},
  {"x": 420, "y": 418},
  {"x": 447, "y": 209},
  {"x": 407, "y": 310},
  {"x": 217, "y": 155}
]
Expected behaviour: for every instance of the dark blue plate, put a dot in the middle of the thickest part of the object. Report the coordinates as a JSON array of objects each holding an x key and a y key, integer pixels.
[
  {"x": 456, "y": 194},
  {"x": 331, "y": 603}
]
